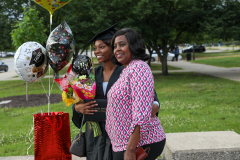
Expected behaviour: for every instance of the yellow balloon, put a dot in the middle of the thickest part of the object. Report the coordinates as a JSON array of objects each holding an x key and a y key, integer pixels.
[{"x": 52, "y": 5}]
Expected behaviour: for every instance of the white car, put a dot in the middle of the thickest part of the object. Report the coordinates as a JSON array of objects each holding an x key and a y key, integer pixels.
[
  {"x": 3, "y": 54},
  {"x": 170, "y": 57},
  {"x": 10, "y": 54}
]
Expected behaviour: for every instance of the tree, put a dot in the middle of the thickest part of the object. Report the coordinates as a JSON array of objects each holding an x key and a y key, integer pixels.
[
  {"x": 10, "y": 12},
  {"x": 226, "y": 24},
  {"x": 78, "y": 16},
  {"x": 161, "y": 23},
  {"x": 29, "y": 29},
  {"x": 86, "y": 18},
  {"x": 5, "y": 29}
]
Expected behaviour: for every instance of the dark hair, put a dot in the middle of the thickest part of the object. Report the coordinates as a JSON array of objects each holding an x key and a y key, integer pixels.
[
  {"x": 106, "y": 41},
  {"x": 135, "y": 43}
]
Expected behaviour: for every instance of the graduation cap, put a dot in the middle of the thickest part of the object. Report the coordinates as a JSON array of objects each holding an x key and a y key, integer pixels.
[{"x": 105, "y": 34}]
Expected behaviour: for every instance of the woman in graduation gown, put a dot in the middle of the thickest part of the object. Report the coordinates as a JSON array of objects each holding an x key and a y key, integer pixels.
[{"x": 100, "y": 148}]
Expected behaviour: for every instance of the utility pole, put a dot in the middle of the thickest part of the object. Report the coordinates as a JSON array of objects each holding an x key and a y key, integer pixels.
[
  {"x": 193, "y": 51},
  {"x": 233, "y": 43},
  {"x": 27, "y": 91}
]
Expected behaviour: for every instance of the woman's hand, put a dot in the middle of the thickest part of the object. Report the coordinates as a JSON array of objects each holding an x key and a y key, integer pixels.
[
  {"x": 84, "y": 108},
  {"x": 129, "y": 155},
  {"x": 154, "y": 110}
]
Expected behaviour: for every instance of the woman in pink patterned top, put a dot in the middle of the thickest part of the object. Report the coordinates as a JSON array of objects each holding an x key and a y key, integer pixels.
[{"x": 129, "y": 122}]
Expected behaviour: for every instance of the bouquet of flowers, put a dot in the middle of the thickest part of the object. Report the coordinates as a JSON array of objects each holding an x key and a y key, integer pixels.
[{"x": 79, "y": 81}]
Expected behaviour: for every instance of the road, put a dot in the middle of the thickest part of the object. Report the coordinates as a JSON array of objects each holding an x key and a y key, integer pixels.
[{"x": 10, "y": 63}]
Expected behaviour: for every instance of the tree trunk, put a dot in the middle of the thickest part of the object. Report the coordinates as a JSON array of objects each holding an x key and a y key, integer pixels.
[
  {"x": 76, "y": 52},
  {"x": 150, "y": 54},
  {"x": 233, "y": 44},
  {"x": 164, "y": 62},
  {"x": 193, "y": 52},
  {"x": 164, "y": 58}
]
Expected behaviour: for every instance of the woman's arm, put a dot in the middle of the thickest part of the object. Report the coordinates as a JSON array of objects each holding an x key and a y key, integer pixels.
[
  {"x": 131, "y": 147},
  {"x": 79, "y": 110},
  {"x": 77, "y": 117},
  {"x": 142, "y": 95},
  {"x": 85, "y": 108},
  {"x": 155, "y": 106}
]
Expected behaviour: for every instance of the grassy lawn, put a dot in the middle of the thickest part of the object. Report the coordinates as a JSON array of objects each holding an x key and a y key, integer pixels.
[
  {"x": 193, "y": 102},
  {"x": 190, "y": 102},
  {"x": 227, "y": 62},
  {"x": 204, "y": 55},
  {"x": 6, "y": 58}
]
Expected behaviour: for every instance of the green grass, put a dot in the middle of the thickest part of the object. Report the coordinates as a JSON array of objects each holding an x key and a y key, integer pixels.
[
  {"x": 190, "y": 102},
  {"x": 16, "y": 124},
  {"x": 227, "y": 62},
  {"x": 6, "y": 58},
  {"x": 214, "y": 54},
  {"x": 17, "y": 87}
]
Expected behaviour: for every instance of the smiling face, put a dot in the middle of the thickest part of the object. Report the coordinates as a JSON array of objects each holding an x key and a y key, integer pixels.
[
  {"x": 122, "y": 51},
  {"x": 102, "y": 51}
]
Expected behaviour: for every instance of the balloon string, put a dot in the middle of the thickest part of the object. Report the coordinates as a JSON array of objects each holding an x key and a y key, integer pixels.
[
  {"x": 50, "y": 22},
  {"x": 49, "y": 68},
  {"x": 48, "y": 96},
  {"x": 30, "y": 139},
  {"x": 49, "y": 91}
]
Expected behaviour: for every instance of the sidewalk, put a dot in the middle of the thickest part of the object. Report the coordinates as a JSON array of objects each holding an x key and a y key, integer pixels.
[
  {"x": 221, "y": 72},
  {"x": 7, "y": 75},
  {"x": 32, "y": 158}
]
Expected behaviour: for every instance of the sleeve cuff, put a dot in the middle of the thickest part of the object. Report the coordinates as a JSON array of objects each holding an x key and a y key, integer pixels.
[
  {"x": 156, "y": 102},
  {"x": 144, "y": 127}
]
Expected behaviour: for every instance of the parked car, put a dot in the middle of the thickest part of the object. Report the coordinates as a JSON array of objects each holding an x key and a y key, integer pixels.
[
  {"x": 170, "y": 57},
  {"x": 3, "y": 66},
  {"x": 3, "y": 54},
  {"x": 10, "y": 54},
  {"x": 197, "y": 48}
]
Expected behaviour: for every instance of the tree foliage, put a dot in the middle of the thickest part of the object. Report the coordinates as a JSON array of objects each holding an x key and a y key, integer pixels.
[
  {"x": 162, "y": 24},
  {"x": 29, "y": 29},
  {"x": 10, "y": 12}
]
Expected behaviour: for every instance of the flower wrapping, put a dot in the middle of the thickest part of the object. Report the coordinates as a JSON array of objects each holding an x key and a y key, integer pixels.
[{"x": 77, "y": 87}]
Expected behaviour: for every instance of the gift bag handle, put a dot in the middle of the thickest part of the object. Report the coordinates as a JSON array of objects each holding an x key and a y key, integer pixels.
[{"x": 60, "y": 126}]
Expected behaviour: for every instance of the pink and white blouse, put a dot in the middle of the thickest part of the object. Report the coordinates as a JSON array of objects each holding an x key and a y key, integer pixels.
[{"x": 130, "y": 102}]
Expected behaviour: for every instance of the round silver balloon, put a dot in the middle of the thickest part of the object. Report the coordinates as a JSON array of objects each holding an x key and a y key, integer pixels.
[{"x": 30, "y": 62}]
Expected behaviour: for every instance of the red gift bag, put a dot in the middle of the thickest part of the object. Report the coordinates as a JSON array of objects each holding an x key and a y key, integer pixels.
[{"x": 52, "y": 136}]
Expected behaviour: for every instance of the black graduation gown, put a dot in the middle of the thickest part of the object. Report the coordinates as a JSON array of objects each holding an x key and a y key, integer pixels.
[{"x": 99, "y": 148}]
